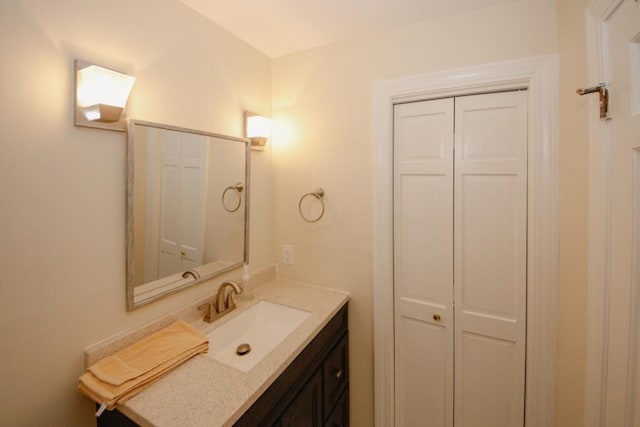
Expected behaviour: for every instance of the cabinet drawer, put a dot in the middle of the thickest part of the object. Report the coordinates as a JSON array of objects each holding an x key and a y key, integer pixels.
[{"x": 335, "y": 370}]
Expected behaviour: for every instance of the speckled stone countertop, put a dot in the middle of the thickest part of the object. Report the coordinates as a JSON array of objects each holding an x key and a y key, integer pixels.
[{"x": 205, "y": 392}]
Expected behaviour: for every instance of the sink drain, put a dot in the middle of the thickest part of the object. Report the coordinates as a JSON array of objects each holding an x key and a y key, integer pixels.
[{"x": 243, "y": 349}]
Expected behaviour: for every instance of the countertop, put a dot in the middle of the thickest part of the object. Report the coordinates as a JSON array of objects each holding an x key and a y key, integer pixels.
[{"x": 205, "y": 392}]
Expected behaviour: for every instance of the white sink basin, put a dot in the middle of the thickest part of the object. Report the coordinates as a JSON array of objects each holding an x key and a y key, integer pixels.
[{"x": 263, "y": 326}]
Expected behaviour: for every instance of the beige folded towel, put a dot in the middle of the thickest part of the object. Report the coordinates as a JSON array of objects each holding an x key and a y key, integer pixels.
[{"x": 116, "y": 378}]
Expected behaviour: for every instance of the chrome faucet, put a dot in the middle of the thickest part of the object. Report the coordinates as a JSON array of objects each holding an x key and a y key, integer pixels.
[{"x": 222, "y": 303}]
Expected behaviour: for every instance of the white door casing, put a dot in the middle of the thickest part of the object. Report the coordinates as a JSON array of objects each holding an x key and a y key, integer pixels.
[
  {"x": 612, "y": 383},
  {"x": 539, "y": 76}
]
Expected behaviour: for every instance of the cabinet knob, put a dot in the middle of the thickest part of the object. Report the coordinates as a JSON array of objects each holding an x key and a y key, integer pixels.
[
  {"x": 338, "y": 374},
  {"x": 183, "y": 253},
  {"x": 437, "y": 317}
]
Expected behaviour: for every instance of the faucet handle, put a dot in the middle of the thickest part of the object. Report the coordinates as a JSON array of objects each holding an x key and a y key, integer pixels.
[{"x": 207, "y": 307}]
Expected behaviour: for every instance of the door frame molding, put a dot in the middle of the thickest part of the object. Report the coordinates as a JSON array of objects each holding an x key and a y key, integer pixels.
[
  {"x": 540, "y": 76},
  {"x": 597, "y": 14}
]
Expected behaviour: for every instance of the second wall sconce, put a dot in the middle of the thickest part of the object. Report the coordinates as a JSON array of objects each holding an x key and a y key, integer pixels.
[
  {"x": 101, "y": 96},
  {"x": 257, "y": 130}
]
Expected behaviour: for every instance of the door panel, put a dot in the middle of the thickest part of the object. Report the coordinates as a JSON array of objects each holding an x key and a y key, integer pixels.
[
  {"x": 423, "y": 282},
  {"x": 490, "y": 370},
  {"x": 486, "y": 117},
  {"x": 169, "y": 259},
  {"x": 422, "y": 353},
  {"x": 489, "y": 245},
  {"x": 423, "y": 255},
  {"x": 194, "y": 171},
  {"x": 490, "y": 224},
  {"x": 181, "y": 223}
]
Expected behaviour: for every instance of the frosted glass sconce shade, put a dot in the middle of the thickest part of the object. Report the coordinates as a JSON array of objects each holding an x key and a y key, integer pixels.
[
  {"x": 257, "y": 130},
  {"x": 101, "y": 96}
]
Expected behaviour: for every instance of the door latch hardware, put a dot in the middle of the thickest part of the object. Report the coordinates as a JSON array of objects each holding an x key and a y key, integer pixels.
[{"x": 604, "y": 98}]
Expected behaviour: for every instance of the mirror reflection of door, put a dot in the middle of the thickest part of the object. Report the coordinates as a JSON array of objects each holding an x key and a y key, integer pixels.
[
  {"x": 179, "y": 180},
  {"x": 177, "y": 219}
]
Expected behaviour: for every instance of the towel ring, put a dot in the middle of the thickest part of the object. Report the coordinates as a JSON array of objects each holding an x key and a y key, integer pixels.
[
  {"x": 238, "y": 189},
  {"x": 318, "y": 193}
]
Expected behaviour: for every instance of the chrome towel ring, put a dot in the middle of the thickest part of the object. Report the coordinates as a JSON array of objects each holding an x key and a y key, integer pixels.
[
  {"x": 238, "y": 187},
  {"x": 318, "y": 193}
]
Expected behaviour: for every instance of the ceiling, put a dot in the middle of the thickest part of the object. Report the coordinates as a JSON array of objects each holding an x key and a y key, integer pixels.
[{"x": 280, "y": 27}]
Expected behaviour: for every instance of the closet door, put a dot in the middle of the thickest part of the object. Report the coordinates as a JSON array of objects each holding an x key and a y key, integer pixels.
[
  {"x": 183, "y": 183},
  {"x": 423, "y": 270},
  {"x": 490, "y": 227}
]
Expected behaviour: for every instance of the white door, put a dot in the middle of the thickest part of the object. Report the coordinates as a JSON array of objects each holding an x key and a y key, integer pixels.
[
  {"x": 423, "y": 258},
  {"x": 490, "y": 270},
  {"x": 169, "y": 236},
  {"x": 622, "y": 395},
  {"x": 460, "y": 260},
  {"x": 183, "y": 178},
  {"x": 192, "y": 200}
]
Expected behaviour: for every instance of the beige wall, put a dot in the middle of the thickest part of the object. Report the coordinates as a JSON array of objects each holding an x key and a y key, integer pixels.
[
  {"x": 573, "y": 150},
  {"x": 62, "y": 256},
  {"x": 63, "y": 187},
  {"x": 322, "y": 106}
]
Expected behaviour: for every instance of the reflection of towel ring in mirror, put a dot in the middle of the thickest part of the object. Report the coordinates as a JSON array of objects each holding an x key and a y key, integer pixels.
[
  {"x": 238, "y": 189},
  {"x": 318, "y": 193}
]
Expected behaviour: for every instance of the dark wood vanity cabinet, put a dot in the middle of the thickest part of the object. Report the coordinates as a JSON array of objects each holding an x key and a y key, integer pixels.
[
  {"x": 305, "y": 410},
  {"x": 314, "y": 389},
  {"x": 312, "y": 392}
]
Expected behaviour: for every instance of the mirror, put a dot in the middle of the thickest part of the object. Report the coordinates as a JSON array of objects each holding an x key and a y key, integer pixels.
[{"x": 187, "y": 213}]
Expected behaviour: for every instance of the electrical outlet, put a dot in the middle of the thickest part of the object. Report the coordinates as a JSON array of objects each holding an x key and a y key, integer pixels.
[{"x": 287, "y": 254}]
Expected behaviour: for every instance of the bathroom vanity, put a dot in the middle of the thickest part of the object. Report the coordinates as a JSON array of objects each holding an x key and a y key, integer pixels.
[
  {"x": 314, "y": 390},
  {"x": 303, "y": 381}
]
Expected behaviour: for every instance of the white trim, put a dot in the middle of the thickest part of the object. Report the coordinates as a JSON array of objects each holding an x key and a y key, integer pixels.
[
  {"x": 599, "y": 220},
  {"x": 631, "y": 414},
  {"x": 540, "y": 76}
]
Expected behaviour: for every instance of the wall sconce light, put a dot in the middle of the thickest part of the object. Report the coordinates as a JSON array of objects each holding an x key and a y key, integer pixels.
[
  {"x": 257, "y": 130},
  {"x": 101, "y": 96}
]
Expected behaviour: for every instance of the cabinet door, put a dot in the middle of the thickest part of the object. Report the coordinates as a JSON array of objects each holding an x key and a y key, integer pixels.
[
  {"x": 305, "y": 411},
  {"x": 335, "y": 374},
  {"x": 340, "y": 415}
]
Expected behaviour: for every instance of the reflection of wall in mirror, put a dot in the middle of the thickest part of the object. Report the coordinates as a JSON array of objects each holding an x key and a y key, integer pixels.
[{"x": 223, "y": 228}]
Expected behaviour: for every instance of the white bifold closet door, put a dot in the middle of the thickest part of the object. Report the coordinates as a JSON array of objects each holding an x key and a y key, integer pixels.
[
  {"x": 460, "y": 227},
  {"x": 182, "y": 206}
]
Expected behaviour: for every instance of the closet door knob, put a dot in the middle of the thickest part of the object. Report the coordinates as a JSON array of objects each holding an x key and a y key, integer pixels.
[
  {"x": 436, "y": 317},
  {"x": 338, "y": 374}
]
